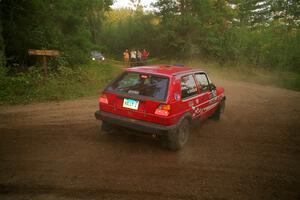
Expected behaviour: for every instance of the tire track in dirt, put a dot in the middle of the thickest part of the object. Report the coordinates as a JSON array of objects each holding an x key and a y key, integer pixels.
[{"x": 55, "y": 150}]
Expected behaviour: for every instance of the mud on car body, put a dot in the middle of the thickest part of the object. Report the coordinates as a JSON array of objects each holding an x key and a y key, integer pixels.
[{"x": 160, "y": 100}]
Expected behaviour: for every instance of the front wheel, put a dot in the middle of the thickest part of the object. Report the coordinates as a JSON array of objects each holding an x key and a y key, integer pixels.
[
  {"x": 219, "y": 111},
  {"x": 178, "y": 138}
]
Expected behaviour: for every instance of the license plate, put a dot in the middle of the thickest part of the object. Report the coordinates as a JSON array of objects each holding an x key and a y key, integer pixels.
[{"x": 130, "y": 103}]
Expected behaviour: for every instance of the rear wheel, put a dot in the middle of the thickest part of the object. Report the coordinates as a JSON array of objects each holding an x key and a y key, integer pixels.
[
  {"x": 219, "y": 111},
  {"x": 178, "y": 138}
]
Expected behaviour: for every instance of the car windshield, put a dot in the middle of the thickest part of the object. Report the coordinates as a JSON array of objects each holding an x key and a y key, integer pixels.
[
  {"x": 96, "y": 54},
  {"x": 141, "y": 85}
]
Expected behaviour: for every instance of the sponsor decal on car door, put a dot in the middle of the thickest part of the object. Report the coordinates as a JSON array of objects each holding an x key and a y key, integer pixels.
[
  {"x": 189, "y": 93},
  {"x": 209, "y": 99}
]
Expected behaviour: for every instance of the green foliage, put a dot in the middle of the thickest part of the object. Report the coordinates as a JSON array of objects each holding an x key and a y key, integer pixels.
[
  {"x": 126, "y": 31},
  {"x": 70, "y": 26},
  {"x": 65, "y": 83},
  {"x": 246, "y": 73},
  {"x": 260, "y": 34},
  {"x": 2, "y": 57}
]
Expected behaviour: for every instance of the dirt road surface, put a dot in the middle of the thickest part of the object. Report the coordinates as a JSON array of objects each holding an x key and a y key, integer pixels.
[{"x": 56, "y": 151}]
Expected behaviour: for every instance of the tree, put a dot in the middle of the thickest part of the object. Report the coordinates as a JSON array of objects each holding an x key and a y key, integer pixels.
[
  {"x": 137, "y": 6},
  {"x": 286, "y": 12},
  {"x": 254, "y": 13},
  {"x": 194, "y": 27},
  {"x": 2, "y": 56},
  {"x": 71, "y": 26}
]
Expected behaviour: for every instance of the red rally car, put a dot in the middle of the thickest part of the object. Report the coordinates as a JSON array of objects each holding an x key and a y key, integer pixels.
[{"x": 160, "y": 100}]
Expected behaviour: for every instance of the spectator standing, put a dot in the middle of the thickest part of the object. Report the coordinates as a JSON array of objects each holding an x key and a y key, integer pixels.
[
  {"x": 132, "y": 57},
  {"x": 139, "y": 57},
  {"x": 126, "y": 57},
  {"x": 145, "y": 55}
]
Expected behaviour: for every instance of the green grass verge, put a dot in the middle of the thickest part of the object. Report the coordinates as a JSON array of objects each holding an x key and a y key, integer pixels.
[
  {"x": 282, "y": 79},
  {"x": 64, "y": 83},
  {"x": 89, "y": 80}
]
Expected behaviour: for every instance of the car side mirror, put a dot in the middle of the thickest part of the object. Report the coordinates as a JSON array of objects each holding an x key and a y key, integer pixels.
[{"x": 212, "y": 86}]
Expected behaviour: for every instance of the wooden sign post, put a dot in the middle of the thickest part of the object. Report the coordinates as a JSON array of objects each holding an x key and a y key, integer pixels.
[{"x": 44, "y": 53}]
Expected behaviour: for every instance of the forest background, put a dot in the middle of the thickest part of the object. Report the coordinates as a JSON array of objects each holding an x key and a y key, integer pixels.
[{"x": 258, "y": 37}]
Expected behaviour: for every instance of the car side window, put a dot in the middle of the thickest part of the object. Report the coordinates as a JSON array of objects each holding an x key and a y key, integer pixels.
[
  {"x": 188, "y": 86},
  {"x": 203, "y": 82}
]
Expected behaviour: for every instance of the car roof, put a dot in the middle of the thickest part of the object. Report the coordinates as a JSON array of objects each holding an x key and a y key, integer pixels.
[{"x": 166, "y": 70}]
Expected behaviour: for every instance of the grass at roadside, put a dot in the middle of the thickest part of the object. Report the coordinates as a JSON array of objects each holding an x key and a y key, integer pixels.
[
  {"x": 88, "y": 80},
  {"x": 283, "y": 79},
  {"x": 64, "y": 83}
]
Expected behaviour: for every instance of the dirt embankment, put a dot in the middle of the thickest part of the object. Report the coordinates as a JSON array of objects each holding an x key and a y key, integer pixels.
[{"x": 57, "y": 151}]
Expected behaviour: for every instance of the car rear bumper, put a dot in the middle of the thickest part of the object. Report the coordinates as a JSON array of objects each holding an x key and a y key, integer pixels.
[{"x": 139, "y": 125}]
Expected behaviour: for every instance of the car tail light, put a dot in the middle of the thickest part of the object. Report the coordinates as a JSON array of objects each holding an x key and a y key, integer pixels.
[
  {"x": 163, "y": 110},
  {"x": 103, "y": 99}
]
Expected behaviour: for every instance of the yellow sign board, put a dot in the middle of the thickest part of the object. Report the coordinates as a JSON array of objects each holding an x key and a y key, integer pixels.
[{"x": 43, "y": 52}]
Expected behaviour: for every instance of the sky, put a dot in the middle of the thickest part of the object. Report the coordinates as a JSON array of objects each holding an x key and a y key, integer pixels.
[{"x": 126, "y": 3}]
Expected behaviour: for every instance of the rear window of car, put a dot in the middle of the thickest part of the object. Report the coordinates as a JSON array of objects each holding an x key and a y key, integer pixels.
[{"x": 144, "y": 85}]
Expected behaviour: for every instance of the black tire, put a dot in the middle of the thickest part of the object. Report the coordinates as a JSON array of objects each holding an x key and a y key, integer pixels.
[
  {"x": 178, "y": 138},
  {"x": 107, "y": 127},
  {"x": 219, "y": 111}
]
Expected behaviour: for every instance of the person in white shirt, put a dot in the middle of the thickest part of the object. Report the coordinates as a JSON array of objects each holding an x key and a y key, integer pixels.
[{"x": 132, "y": 57}]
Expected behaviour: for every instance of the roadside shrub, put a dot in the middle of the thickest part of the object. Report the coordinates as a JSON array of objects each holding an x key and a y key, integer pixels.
[{"x": 63, "y": 83}]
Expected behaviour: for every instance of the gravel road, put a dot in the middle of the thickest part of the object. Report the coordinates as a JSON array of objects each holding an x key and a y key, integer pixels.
[{"x": 56, "y": 151}]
